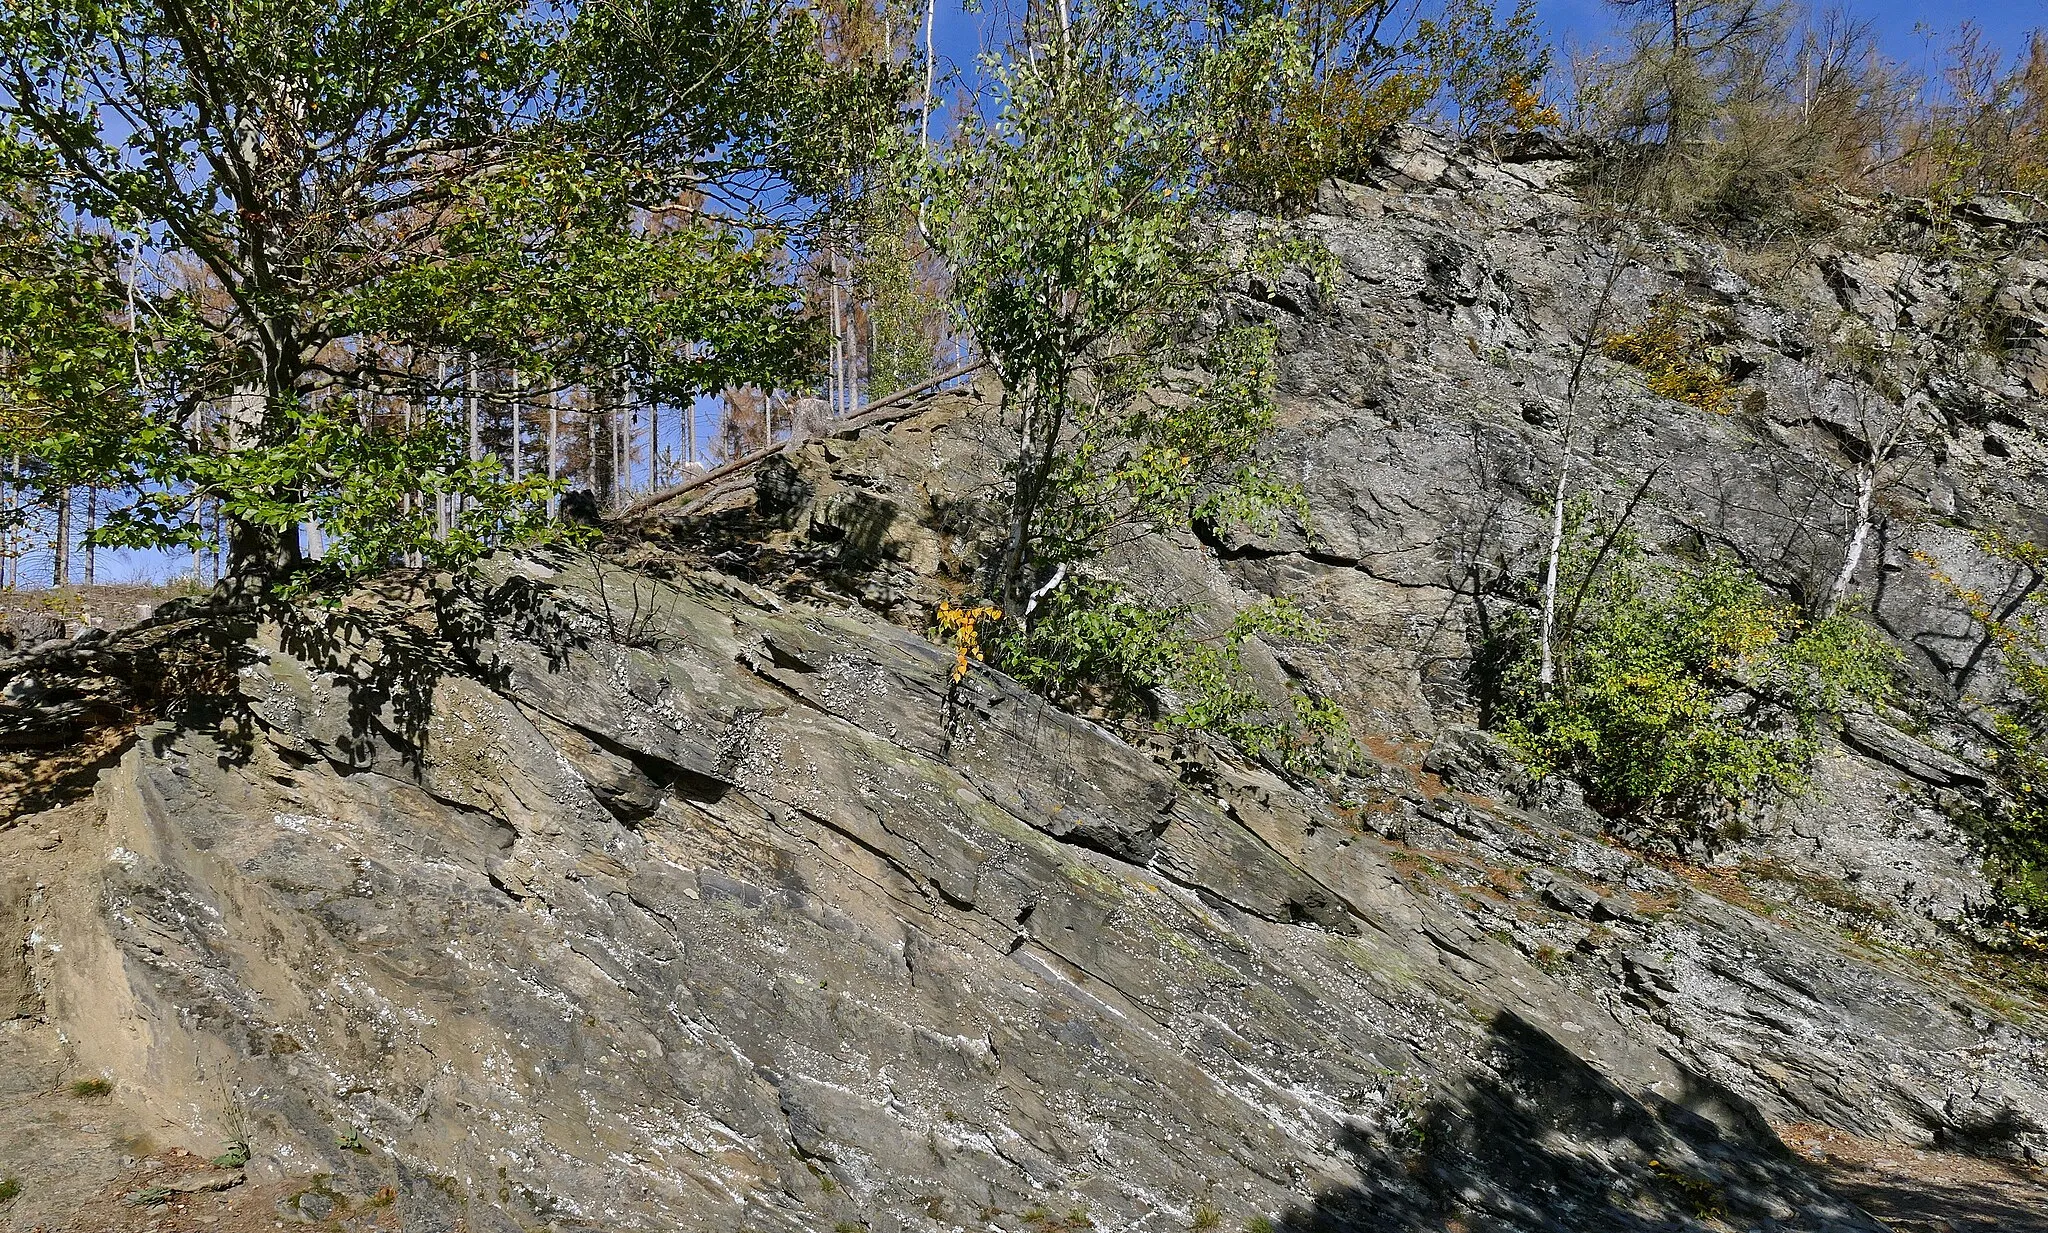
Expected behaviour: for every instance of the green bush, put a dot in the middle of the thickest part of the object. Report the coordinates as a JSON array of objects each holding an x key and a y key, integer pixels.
[
  {"x": 1682, "y": 692},
  {"x": 1305, "y": 92},
  {"x": 1093, "y": 646},
  {"x": 2015, "y": 833}
]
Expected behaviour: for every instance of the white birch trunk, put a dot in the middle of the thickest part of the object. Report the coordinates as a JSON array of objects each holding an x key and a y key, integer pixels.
[
  {"x": 1852, "y": 558},
  {"x": 554, "y": 448},
  {"x": 1547, "y": 672}
]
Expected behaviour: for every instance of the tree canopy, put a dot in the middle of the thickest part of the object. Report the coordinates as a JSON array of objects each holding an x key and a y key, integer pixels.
[{"x": 266, "y": 216}]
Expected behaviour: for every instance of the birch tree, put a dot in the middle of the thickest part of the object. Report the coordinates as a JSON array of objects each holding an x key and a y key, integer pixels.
[
  {"x": 1068, "y": 216},
  {"x": 1886, "y": 423}
]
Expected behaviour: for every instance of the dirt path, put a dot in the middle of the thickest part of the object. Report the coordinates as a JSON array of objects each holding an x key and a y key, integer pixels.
[{"x": 1927, "y": 1192}]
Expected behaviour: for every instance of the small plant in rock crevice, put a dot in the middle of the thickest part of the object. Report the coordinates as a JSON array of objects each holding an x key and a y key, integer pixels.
[
  {"x": 1667, "y": 349},
  {"x": 1043, "y": 1220},
  {"x": 1701, "y": 1196},
  {"x": 963, "y": 627},
  {"x": 636, "y": 624},
  {"x": 98, "y": 1085}
]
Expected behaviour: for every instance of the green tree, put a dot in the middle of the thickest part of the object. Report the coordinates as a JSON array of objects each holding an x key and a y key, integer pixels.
[
  {"x": 68, "y": 375},
  {"x": 1089, "y": 261},
  {"x": 1491, "y": 66},
  {"x": 307, "y": 199},
  {"x": 1069, "y": 217}
]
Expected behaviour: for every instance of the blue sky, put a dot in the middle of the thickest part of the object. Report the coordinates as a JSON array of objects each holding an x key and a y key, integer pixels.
[
  {"x": 1590, "y": 22},
  {"x": 2006, "y": 23}
]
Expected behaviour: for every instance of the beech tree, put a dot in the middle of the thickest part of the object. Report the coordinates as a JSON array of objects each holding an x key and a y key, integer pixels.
[{"x": 303, "y": 202}]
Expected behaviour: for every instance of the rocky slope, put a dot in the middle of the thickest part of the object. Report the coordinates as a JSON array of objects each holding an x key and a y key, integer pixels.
[{"x": 678, "y": 886}]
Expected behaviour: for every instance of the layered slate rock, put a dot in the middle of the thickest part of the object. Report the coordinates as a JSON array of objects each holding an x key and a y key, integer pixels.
[
  {"x": 747, "y": 916},
  {"x": 678, "y": 885}
]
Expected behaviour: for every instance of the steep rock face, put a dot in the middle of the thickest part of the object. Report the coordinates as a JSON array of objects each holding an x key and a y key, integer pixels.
[
  {"x": 758, "y": 921},
  {"x": 681, "y": 887},
  {"x": 1430, "y": 417}
]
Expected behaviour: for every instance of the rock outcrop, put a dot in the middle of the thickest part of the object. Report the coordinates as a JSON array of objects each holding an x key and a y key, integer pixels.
[{"x": 680, "y": 886}]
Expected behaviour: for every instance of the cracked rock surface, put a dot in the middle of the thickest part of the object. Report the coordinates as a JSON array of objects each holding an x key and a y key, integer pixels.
[
  {"x": 681, "y": 888},
  {"x": 747, "y": 926}
]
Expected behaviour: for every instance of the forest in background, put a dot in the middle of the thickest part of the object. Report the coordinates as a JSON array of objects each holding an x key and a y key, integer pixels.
[{"x": 379, "y": 284}]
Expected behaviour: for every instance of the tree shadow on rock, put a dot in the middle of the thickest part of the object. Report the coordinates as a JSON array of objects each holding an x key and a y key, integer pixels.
[
  {"x": 1539, "y": 1140},
  {"x": 392, "y": 646},
  {"x": 71, "y": 709}
]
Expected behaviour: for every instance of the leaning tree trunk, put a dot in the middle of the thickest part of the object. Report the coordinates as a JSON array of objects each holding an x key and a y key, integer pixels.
[
  {"x": 1852, "y": 555},
  {"x": 1546, "y": 672}
]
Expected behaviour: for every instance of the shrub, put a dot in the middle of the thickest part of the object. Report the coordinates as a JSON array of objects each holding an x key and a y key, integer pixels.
[
  {"x": 1683, "y": 692},
  {"x": 1745, "y": 116},
  {"x": 1308, "y": 91},
  {"x": 1281, "y": 134},
  {"x": 1664, "y": 346},
  {"x": 1989, "y": 133},
  {"x": 1095, "y": 646}
]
